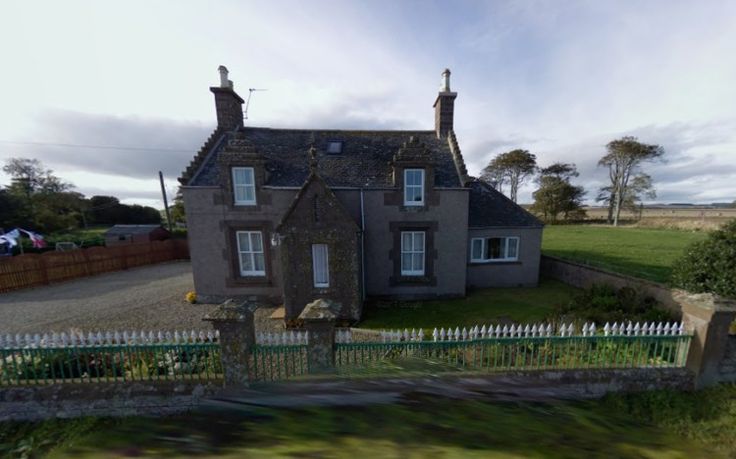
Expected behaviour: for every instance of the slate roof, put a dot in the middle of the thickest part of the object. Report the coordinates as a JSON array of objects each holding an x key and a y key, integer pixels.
[
  {"x": 131, "y": 229},
  {"x": 490, "y": 208},
  {"x": 365, "y": 160}
]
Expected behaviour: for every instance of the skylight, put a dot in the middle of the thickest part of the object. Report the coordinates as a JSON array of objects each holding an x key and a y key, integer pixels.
[{"x": 334, "y": 147}]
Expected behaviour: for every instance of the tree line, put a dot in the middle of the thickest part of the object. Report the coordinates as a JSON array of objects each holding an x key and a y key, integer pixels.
[
  {"x": 557, "y": 198},
  {"x": 38, "y": 200}
]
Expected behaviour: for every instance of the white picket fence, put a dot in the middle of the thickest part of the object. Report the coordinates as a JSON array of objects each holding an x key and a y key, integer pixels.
[
  {"x": 298, "y": 337},
  {"x": 288, "y": 337},
  {"x": 100, "y": 338},
  {"x": 536, "y": 330}
]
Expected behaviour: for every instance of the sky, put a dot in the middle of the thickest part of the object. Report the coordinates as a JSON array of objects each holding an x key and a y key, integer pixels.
[{"x": 108, "y": 93}]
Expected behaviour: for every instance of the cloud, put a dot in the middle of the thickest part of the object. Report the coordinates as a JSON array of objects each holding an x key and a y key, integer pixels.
[{"x": 146, "y": 145}]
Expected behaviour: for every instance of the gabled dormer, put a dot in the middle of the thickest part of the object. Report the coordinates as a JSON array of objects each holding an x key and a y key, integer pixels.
[
  {"x": 242, "y": 175},
  {"x": 413, "y": 176}
]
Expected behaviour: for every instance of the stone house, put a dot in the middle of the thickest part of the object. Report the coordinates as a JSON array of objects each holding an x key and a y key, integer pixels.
[{"x": 285, "y": 216}]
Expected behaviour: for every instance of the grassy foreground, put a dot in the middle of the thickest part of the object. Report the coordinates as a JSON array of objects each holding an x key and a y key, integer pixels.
[
  {"x": 655, "y": 425},
  {"x": 521, "y": 305},
  {"x": 639, "y": 252}
]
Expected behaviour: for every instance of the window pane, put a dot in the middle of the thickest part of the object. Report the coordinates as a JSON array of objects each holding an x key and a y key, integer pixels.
[
  {"x": 512, "y": 248},
  {"x": 477, "y": 249},
  {"x": 256, "y": 242},
  {"x": 320, "y": 265},
  {"x": 248, "y": 176},
  {"x": 249, "y": 193},
  {"x": 243, "y": 242},
  {"x": 406, "y": 262},
  {"x": 238, "y": 176},
  {"x": 419, "y": 242},
  {"x": 246, "y": 263},
  {"x": 418, "y": 262},
  {"x": 260, "y": 264},
  {"x": 240, "y": 195},
  {"x": 493, "y": 248},
  {"x": 405, "y": 242}
]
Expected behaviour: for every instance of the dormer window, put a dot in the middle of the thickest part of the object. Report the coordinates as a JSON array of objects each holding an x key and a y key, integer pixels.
[
  {"x": 413, "y": 187},
  {"x": 334, "y": 147},
  {"x": 244, "y": 186}
]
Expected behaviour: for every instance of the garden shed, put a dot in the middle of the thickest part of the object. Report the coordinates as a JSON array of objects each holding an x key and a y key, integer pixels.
[{"x": 131, "y": 234}]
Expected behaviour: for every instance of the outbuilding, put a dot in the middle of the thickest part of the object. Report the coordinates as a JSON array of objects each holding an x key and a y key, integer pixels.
[{"x": 132, "y": 234}]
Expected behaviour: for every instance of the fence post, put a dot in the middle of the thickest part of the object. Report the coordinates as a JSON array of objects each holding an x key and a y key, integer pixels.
[
  {"x": 708, "y": 318},
  {"x": 319, "y": 320},
  {"x": 237, "y": 331}
]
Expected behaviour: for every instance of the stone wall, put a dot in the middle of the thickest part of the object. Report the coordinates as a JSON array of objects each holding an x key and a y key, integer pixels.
[
  {"x": 584, "y": 276},
  {"x": 727, "y": 368},
  {"x": 100, "y": 399}
]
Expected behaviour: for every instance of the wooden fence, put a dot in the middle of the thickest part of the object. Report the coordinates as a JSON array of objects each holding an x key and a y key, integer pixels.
[{"x": 40, "y": 269}]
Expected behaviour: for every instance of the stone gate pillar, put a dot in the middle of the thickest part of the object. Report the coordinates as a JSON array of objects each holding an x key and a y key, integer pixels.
[
  {"x": 236, "y": 326},
  {"x": 319, "y": 320},
  {"x": 708, "y": 318}
]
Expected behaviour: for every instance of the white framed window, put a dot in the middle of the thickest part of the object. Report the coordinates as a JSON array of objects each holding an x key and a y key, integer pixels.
[
  {"x": 250, "y": 252},
  {"x": 244, "y": 186},
  {"x": 320, "y": 265},
  {"x": 494, "y": 249},
  {"x": 413, "y": 187},
  {"x": 412, "y": 253}
]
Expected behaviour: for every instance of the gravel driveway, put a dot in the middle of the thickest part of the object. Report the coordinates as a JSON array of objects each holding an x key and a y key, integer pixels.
[{"x": 145, "y": 298}]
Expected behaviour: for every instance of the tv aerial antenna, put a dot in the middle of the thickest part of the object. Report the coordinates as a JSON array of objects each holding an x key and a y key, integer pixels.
[{"x": 247, "y": 102}]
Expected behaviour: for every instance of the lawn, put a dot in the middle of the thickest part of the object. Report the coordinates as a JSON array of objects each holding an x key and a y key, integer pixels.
[
  {"x": 656, "y": 425},
  {"x": 521, "y": 305},
  {"x": 639, "y": 252}
]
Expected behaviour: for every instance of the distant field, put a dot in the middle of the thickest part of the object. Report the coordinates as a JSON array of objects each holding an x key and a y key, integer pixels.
[{"x": 640, "y": 252}]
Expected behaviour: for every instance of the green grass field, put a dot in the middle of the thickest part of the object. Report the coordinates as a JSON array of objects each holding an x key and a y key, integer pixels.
[
  {"x": 645, "y": 253},
  {"x": 479, "y": 307},
  {"x": 652, "y": 425}
]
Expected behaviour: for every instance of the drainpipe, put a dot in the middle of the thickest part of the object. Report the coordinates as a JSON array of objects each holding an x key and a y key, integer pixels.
[{"x": 362, "y": 245}]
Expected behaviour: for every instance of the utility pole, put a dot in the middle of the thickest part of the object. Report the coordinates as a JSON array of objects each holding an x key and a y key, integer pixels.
[{"x": 166, "y": 201}]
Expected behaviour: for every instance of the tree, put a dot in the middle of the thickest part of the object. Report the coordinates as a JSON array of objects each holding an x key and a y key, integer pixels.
[
  {"x": 513, "y": 167},
  {"x": 178, "y": 215},
  {"x": 28, "y": 176},
  {"x": 556, "y": 195},
  {"x": 709, "y": 266},
  {"x": 640, "y": 187},
  {"x": 41, "y": 201},
  {"x": 623, "y": 160}
]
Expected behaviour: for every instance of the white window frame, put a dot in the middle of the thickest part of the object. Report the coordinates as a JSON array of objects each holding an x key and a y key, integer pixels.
[
  {"x": 420, "y": 186},
  {"x": 251, "y": 253},
  {"x": 484, "y": 246},
  {"x": 412, "y": 252},
  {"x": 317, "y": 283},
  {"x": 251, "y": 186}
]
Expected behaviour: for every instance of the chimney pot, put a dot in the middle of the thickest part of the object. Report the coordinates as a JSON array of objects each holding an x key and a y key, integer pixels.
[
  {"x": 445, "y": 85},
  {"x": 224, "y": 82}
]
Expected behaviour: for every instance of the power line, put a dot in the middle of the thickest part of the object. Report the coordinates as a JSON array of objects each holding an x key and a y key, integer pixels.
[{"x": 101, "y": 147}]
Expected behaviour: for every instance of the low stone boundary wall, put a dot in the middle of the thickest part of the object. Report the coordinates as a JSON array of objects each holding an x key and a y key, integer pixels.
[
  {"x": 727, "y": 368},
  {"x": 583, "y": 276},
  {"x": 31, "y": 403},
  {"x": 529, "y": 385}
]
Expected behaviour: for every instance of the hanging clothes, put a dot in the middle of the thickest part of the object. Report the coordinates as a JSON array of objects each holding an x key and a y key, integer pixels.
[
  {"x": 10, "y": 238},
  {"x": 36, "y": 239}
]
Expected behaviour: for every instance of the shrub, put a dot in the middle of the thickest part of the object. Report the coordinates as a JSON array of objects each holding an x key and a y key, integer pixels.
[
  {"x": 603, "y": 303},
  {"x": 709, "y": 266}
]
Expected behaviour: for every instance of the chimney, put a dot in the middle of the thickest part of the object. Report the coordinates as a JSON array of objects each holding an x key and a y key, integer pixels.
[
  {"x": 444, "y": 107},
  {"x": 228, "y": 104}
]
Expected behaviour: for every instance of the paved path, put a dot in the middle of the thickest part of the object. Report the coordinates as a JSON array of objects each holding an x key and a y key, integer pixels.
[{"x": 148, "y": 298}]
